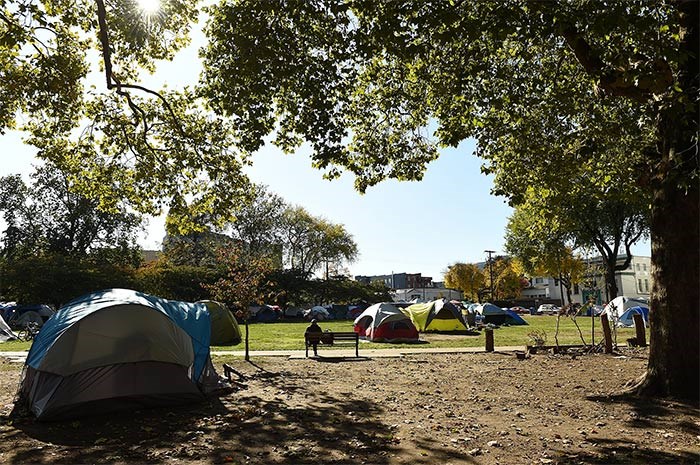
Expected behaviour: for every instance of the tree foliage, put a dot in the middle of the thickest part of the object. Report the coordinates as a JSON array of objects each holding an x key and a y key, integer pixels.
[
  {"x": 47, "y": 217},
  {"x": 539, "y": 85},
  {"x": 311, "y": 242},
  {"x": 183, "y": 282},
  {"x": 468, "y": 278},
  {"x": 55, "y": 279},
  {"x": 507, "y": 282},
  {"x": 119, "y": 141},
  {"x": 258, "y": 224}
]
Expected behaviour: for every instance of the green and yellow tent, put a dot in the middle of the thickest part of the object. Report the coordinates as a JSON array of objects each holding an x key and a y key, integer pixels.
[
  {"x": 437, "y": 315},
  {"x": 224, "y": 327}
]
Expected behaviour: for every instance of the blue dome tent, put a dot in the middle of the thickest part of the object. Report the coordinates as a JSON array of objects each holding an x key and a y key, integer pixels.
[
  {"x": 627, "y": 318},
  {"x": 118, "y": 349}
]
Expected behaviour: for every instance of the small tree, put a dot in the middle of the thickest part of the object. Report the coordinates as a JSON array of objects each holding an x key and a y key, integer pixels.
[
  {"x": 467, "y": 277},
  {"x": 244, "y": 281}
]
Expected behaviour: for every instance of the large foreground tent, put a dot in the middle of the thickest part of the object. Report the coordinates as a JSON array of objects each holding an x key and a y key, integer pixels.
[
  {"x": 224, "y": 327},
  {"x": 118, "y": 349},
  {"x": 437, "y": 315},
  {"x": 384, "y": 322}
]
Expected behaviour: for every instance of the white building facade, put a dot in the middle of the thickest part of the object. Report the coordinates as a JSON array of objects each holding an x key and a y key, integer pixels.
[
  {"x": 634, "y": 281},
  {"x": 425, "y": 294}
]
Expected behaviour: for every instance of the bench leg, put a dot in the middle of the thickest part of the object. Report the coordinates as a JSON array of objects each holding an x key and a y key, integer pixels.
[
  {"x": 357, "y": 349},
  {"x": 307, "y": 351}
]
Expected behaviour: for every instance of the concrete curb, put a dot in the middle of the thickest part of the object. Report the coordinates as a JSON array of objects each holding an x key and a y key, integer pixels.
[{"x": 21, "y": 356}]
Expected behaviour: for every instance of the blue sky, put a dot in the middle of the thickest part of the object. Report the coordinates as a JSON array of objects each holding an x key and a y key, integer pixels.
[{"x": 413, "y": 227}]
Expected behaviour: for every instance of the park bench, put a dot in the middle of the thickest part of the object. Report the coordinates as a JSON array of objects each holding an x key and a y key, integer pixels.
[{"x": 331, "y": 338}]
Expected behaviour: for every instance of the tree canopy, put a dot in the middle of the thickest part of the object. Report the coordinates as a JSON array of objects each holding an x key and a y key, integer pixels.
[
  {"x": 49, "y": 217},
  {"x": 119, "y": 141},
  {"x": 537, "y": 84}
]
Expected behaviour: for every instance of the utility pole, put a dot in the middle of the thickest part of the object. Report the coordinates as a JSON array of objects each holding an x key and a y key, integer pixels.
[{"x": 491, "y": 270}]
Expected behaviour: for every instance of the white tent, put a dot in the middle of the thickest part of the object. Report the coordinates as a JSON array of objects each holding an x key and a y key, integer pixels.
[
  {"x": 5, "y": 331},
  {"x": 616, "y": 307}
]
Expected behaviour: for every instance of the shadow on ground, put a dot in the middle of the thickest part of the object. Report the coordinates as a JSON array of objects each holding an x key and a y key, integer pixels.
[
  {"x": 646, "y": 412},
  {"x": 295, "y": 422},
  {"x": 612, "y": 452},
  {"x": 650, "y": 415}
]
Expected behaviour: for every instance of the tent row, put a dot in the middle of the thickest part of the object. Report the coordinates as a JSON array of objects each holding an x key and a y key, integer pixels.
[{"x": 387, "y": 322}]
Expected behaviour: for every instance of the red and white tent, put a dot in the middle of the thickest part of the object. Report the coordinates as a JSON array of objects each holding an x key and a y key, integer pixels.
[{"x": 384, "y": 322}]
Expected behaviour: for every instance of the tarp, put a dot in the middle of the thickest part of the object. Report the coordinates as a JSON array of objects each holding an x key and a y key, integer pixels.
[
  {"x": 489, "y": 309},
  {"x": 118, "y": 349},
  {"x": 224, "y": 327},
  {"x": 626, "y": 320},
  {"x": 355, "y": 310},
  {"x": 267, "y": 314},
  {"x": 6, "y": 308},
  {"x": 19, "y": 316},
  {"x": 437, "y": 315},
  {"x": 293, "y": 312},
  {"x": 337, "y": 312},
  {"x": 586, "y": 310},
  {"x": 383, "y": 322}
]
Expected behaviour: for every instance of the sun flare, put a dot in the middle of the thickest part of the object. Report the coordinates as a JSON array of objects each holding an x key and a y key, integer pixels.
[{"x": 149, "y": 7}]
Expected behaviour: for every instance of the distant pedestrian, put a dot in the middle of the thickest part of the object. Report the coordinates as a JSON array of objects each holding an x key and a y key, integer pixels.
[{"x": 314, "y": 328}]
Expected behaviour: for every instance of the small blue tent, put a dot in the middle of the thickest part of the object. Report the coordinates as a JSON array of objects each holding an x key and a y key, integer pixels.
[
  {"x": 513, "y": 318},
  {"x": 118, "y": 349},
  {"x": 627, "y": 318},
  {"x": 491, "y": 313}
]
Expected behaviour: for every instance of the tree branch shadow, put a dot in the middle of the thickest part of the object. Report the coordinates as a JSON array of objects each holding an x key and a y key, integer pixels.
[
  {"x": 612, "y": 452},
  {"x": 239, "y": 428}
]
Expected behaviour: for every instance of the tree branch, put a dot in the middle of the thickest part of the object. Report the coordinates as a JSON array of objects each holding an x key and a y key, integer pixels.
[{"x": 611, "y": 80}]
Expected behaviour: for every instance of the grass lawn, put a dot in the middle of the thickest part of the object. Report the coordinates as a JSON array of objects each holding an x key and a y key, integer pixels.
[{"x": 290, "y": 335}]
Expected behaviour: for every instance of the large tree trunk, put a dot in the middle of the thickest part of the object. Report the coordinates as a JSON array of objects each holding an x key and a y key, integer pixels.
[{"x": 674, "y": 357}]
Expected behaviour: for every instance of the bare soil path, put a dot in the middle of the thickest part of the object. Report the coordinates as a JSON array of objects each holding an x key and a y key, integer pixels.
[{"x": 418, "y": 409}]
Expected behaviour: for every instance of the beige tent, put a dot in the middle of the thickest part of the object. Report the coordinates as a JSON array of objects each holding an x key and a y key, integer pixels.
[{"x": 224, "y": 327}]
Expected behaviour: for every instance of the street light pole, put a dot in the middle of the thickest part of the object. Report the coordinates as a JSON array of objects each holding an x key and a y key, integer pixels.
[{"x": 491, "y": 269}]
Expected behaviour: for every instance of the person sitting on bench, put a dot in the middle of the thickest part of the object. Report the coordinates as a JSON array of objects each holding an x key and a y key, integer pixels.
[{"x": 314, "y": 328}]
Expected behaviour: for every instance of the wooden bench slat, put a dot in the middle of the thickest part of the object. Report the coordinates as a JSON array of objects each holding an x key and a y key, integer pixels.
[{"x": 329, "y": 338}]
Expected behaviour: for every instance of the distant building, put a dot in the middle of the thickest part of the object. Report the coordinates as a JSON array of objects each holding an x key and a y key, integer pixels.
[
  {"x": 413, "y": 286},
  {"x": 634, "y": 281},
  {"x": 150, "y": 256},
  {"x": 425, "y": 294},
  {"x": 398, "y": 280}
]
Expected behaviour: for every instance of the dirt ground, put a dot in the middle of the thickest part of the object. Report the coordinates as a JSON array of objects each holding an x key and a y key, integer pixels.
[{"x": 424, "y": 409}]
